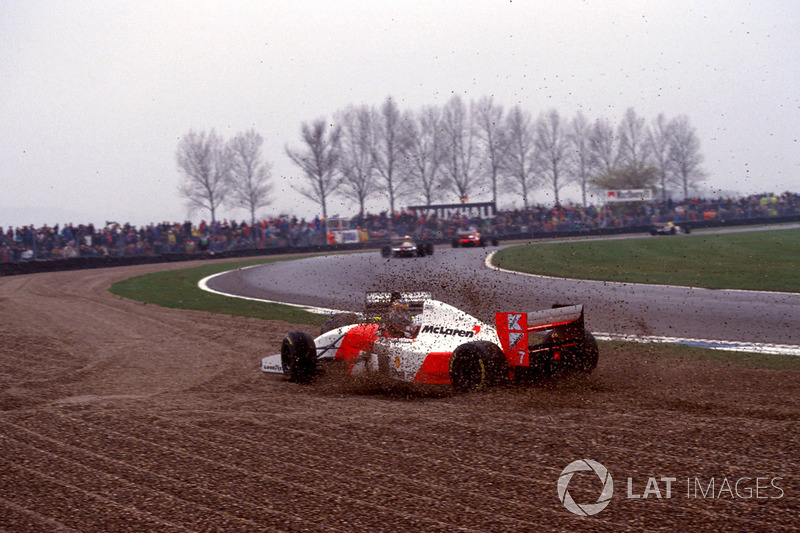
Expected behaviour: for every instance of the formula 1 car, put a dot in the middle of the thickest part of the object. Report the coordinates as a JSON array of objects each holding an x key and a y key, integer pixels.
[
  {"x": 406, "y": 247},
  {"x": 669, "y": 228},
  {"x": 471, "y": 237},
  {"x": 442, "y": 345}
]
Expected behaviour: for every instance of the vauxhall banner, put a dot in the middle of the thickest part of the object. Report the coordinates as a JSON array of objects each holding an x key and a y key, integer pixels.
[
  {"x": 481, "y": 209},
  {"x": 629, "y": 195}
]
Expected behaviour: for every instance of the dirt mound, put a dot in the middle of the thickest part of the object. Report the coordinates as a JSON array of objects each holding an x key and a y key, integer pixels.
[{"x": 117, "y": 415}]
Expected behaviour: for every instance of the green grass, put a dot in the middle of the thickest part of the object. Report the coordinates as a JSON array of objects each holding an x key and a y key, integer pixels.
[
  {"x": 178, "y": 289},
  {"x": 755, "y": 260}
]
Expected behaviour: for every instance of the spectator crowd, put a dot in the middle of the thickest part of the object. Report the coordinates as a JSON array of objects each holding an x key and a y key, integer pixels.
[{"x": 28, "y": 243}]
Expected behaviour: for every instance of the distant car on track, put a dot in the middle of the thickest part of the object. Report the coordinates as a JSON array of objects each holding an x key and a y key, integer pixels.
[
  {"x": 668, "y": 228},
  {"x": 413, "y": 338},
  {"x": 471, "y": 237},
  {"x": 406, "y": 246}
]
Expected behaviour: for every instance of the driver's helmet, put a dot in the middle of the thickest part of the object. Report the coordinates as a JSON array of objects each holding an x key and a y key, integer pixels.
[{"x": 399, "y": 314}]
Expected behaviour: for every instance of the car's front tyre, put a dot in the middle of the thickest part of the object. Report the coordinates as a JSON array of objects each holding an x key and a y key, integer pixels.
[{"x": 299, "y": 357}]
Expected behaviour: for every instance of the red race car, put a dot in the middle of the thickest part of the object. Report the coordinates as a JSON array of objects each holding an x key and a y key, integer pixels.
[{"x": 471, "y": 237}]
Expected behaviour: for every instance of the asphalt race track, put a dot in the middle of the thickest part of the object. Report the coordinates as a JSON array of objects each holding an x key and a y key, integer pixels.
[{"x": 461, "y": 277}]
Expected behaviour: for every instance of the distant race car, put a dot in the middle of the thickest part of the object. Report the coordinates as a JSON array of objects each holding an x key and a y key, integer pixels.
[
  {"x": 406, "y": 247},
  {"x": 440, "y": 344},
  {"x": 471, "y": 237},
  {"x": 668, "y": 228}
]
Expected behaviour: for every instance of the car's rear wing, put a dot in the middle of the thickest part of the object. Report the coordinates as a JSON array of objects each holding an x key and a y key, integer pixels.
[
  {"x": 376, "y": 301},
  {"x": 565, "y": 323}
]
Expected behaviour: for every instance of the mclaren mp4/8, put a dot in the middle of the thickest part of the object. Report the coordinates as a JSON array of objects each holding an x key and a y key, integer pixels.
[{"x": 413, "y": 338}]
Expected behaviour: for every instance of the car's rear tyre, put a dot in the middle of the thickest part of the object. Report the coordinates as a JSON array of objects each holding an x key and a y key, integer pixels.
[
  {"x": 429, "y": 248},
  {"x": 476, "y": 365},
  {"x": 421, "y": 250},
  {"x": 581, "y": 358},
  {"x": 587, "y": 354},
  {"x": 299, "y": 357},
  {"x": 386, "y": 251}
]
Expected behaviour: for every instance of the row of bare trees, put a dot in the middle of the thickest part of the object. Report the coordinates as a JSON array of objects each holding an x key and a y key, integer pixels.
[
  {"x": 437, "y": 152},
  {"x": 461, "y": 150},
  {"x": 218, "y": 172}
]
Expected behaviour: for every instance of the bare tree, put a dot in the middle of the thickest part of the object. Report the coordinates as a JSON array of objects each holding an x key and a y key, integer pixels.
[
  {"x": 356, "y": 154},
  {"x": 685, "y": 155},
  {"x": 604, "y": 147},
  {"x": 660, "y": 138},
  {"x": 494, "y": 143},
  {"x": 522, "y": 159},
  {"x": 459, "y": 147},
  {"x": 319, "y": 161},
  {"x": 388, "y": 147},
  {"x": 251, "y": 175},
  {"x": 551, "y": 141},
  {"x": 206, "y": 162},
  {"x": 583, "y": 158},
  {"x": 634, "y": 146},
  {"x": 424, "y": 152}
]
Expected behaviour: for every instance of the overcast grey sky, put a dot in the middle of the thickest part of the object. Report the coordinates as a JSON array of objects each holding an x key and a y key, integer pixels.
[{"x": 94, "y": 95}]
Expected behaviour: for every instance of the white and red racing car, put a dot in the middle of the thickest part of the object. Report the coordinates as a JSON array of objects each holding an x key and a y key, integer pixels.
[{"x": 441, "y": 345}]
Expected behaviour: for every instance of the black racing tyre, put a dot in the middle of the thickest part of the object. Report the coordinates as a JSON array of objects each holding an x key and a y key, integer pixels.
[
  {"x": 421, "y": 250},
  {"x": 429, "y": 248},
  {"x": 587, "y": 355},
  {"x": 581, "y": 358},
  {"x": 482, "y": 242},
  {"x": 386, "y": 251},
  {"x": 495, "y": 242},
  {"x": 455, "y": 243},
  {"x": 299, "y": 357},
  {"x": 476, "y": 365},
  {"x": 687, "y": 230},
  {"x": 338, "y": 320}
]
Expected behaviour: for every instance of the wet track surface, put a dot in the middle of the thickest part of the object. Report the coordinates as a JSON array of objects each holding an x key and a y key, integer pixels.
[{"x": 460, "y": 277}]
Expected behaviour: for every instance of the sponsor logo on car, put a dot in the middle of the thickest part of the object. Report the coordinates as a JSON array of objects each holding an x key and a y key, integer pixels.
[{"x": 443, "y": 330}]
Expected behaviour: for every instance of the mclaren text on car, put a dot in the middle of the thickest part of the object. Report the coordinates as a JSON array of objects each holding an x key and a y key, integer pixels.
[{"x": 413, "y": 338}]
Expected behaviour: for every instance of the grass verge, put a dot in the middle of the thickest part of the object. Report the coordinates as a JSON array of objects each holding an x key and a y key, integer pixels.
[
  {"x": 178, "y": 289},
  {"x": 756, "y": 260}
]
